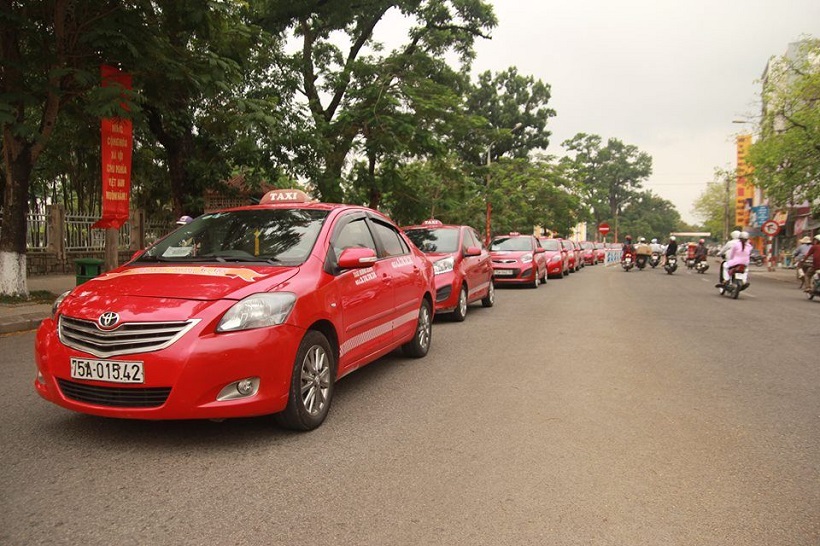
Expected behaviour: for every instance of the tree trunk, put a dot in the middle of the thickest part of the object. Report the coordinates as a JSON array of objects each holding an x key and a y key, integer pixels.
[{"x": 13, "y": 229}]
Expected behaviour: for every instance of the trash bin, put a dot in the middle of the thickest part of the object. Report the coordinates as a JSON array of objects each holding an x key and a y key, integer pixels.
[{"x": 87, "y": 268}]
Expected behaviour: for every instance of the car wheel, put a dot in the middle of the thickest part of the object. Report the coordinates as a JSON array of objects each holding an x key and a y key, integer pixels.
[
  {"x": 489, "y": 299},
  {"x": 460, "y": 312},
  {"x": 420, "y": 344},
  {"x": 311, "y": 384}
]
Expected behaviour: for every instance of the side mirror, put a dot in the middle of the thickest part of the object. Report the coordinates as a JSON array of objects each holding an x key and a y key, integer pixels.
[
  {"x": 472, "y": 251},
  {"x": 357, "y": 258},
  {"x": 539, "y": 250}
]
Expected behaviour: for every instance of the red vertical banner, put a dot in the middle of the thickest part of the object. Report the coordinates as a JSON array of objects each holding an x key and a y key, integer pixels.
[{"x": 117, "y": 142}]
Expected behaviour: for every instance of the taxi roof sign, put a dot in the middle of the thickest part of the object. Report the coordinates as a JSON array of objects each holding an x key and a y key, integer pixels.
[
  {"x": 285, "y": 196},
  {"x": 432, "y": 222}
]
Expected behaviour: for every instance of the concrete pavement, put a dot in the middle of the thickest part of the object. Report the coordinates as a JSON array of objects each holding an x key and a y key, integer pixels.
[{"x": 27, "y": 316}]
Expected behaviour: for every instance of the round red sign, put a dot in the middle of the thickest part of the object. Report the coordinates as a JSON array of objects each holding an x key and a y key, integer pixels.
[
  {"x": 770, "y": 228},
  {"x": 603, "y": 229}
]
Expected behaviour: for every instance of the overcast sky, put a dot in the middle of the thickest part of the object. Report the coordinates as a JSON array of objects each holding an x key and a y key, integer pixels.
[{"x": 667, "y": 76}]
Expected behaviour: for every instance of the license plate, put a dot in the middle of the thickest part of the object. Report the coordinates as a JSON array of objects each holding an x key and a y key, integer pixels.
[
  {"x": 503, "y": 272},
  {"x": 107, "y": 370},
  {"x": 740, "y": 276}
]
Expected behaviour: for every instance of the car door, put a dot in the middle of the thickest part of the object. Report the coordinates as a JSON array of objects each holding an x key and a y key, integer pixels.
[
  {"x": 477, "y": 269},
  {"x": 405, "y": 276},
  {"x": 365, "y": 295}
]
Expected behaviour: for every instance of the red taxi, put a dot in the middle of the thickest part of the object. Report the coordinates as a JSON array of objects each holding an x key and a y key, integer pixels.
[
  {"x": 518, "y": 259},
  {"x": 572, "y": 255},
  {"x": 588, "y": 253},
  {"x": 600, "y": 252},
  {"x": 556, "y": 257},
  {"x": 248, "y": 311},
  {"x": 464, "y": 272}
]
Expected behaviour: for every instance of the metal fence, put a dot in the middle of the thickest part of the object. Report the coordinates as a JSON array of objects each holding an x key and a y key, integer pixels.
[{"x": 79, "y": 236}]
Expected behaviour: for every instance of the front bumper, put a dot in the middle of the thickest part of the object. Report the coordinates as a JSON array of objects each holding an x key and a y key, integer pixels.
[
  {"x": 519, "y": 275},
  {"x": 192, "y": 371}
]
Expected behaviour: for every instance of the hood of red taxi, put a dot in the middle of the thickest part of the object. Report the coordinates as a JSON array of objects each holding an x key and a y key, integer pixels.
[{"x": 192, "y": 282}]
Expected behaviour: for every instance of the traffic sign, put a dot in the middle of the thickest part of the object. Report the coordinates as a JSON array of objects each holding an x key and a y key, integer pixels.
[
  {"x": 770, "y": 228},
  {"x": 603, "y": 229}
]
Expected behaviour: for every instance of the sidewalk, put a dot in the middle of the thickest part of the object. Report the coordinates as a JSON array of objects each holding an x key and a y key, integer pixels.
[
  {"x": 24, "y": 317},
  {"x": 27, "y": 316}
]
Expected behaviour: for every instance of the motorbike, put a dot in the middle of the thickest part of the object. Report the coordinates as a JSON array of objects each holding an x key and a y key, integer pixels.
[
  {"x": 654, "y": 260},
  {"x": 627, "y": 262},
  {"x": 701, "y": 266},
  {"x": 671, "y": 264},
  {"x": 640, "y": 261},
  {"x": 690, "y": 263},
  {"x": 814, "y": 287},
  {"x": 736, "y": 282}
]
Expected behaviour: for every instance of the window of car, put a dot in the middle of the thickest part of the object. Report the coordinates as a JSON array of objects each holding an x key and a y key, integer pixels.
[
  {"x": 550, "y": 244},
  {"x": 434, "y": 239},
  {"x": 517, "y": 244},
  {"x": 474, "y": 240},
  {"x": 354, "y": 234},
  {"x": 277, "y": 236},
  {"x": 389, "y": 236}
]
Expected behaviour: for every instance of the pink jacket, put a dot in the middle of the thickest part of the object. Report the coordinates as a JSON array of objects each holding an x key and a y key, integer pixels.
[{"x": 739, "y": 255}]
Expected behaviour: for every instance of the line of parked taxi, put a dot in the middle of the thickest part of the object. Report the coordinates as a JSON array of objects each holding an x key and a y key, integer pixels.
[{"x": 260, "y": 309}]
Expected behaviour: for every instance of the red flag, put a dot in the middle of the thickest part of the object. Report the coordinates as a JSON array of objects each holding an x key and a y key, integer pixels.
[{"x": 117, "y": 142}]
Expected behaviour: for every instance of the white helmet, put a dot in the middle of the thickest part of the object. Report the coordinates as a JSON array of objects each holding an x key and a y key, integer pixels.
[
  {"x": 654, "y": 241},
  {"x": 735, "y": 234},
  {"x": 672, "y": 238},
  {"x": 817, "y": 237},
  {"x": 744, "y": 235},
  {"x": 641, "y": 239}
]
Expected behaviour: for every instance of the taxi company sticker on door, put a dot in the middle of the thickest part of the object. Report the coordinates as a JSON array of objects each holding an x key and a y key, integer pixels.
[
  {"x": 364, "y": 275},
  {"x": 247, "y": 275},
  {"x": 401, "y": 262}
]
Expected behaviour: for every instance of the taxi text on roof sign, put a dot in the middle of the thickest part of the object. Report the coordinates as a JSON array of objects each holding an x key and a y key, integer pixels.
[
  {"x": 432, "y": 222},
  {"x": 285, "y": 196}
]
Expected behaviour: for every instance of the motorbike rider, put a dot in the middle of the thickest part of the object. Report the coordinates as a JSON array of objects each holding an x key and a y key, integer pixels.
[
  {"x": 656, "y": 247},
  {"x": 671, "y": 248},
  {"x": 739, "y": 254},
  {"x": 628, "y": 248},
  {"x": 642, "y": 250},
  {"x": 700, "y": 251},
  {"x": 798, "y": 259},
  {"x": 735, "y": 235},
  {"x": 813, "y": 260}
]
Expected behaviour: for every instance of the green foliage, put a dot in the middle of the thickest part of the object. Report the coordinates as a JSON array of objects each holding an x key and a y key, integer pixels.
[
  {"x": 608, "y": 176},
  {"x": 786, "y": 157},
  {"x": 650, "y": 216},
  {"x": 716, "y": 205}
]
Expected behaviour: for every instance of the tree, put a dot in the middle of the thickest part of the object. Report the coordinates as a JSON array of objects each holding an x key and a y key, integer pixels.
[
  {"x": 341, "y": 107},
  {"x": 716, "y": 204},
  {"x": 648, "y": 215},
  {"x": 49, "y": 56},
  {"x": 608, "y": 176},
  {"x": 786, "y": 157}
]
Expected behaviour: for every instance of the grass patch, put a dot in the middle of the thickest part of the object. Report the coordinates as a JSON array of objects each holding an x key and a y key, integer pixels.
[{"x": 35, "y": 296}]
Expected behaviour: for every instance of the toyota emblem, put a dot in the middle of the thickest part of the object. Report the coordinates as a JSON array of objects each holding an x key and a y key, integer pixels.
[{"x": 109, "y": 319}]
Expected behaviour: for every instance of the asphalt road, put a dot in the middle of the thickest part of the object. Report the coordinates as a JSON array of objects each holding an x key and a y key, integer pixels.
[{"x": 605, "y": 408}]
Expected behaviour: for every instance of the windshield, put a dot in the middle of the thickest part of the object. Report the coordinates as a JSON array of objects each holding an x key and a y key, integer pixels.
[
  {"x": 550, "y": 244},
  {"x": 434, "y": 240},
  {"x": 276, "y": 236},
  {"x": 587, "y": 246},
  {"x": 512, "y": 243}
]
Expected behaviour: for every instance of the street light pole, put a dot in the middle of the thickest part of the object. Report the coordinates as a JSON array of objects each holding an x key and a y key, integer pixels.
[{"x": 488, "y": 233}]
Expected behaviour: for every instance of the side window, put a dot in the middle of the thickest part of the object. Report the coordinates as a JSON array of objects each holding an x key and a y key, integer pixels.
[
  {"x": 393, "y": 244},
  {"x": 471, "y": 240},
  {"x": 354, "y": 235}
]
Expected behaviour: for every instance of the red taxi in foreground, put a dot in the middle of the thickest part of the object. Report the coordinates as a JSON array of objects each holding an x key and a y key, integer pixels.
[
  {"x": 248, "y": 311},
  {"x": 464, "y": 272},
  {"x": 556, "y": 257},
  {"x": 518, "y": 259}
]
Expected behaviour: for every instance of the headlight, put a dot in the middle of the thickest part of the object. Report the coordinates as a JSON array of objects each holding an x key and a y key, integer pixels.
[
  {"x": 258, "y": 311},
  {"x": 57, "y": 302},
  {"x": 444, "y": 265},
  {"x": 526, "y": 258}
]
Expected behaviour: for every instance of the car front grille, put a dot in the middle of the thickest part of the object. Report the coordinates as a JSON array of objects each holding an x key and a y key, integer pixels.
[
  {"x": 115, "y": 397},
  {"x": 129, "y": 337}
]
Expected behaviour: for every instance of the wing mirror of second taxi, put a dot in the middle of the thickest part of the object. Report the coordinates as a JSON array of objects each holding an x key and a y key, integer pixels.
[
  {"x": 472, "y": 251},
  {"x": 539, "y": 249},
  {"x": 356, "y": 258}
]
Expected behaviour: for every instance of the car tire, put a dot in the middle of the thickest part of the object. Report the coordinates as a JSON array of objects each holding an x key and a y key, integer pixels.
[
  {"x": 489, "y": 299},
  {"x": 311, "y": 384},
  {"x": 460, "y": 312},
  {"x": 420, "y": 344}
]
